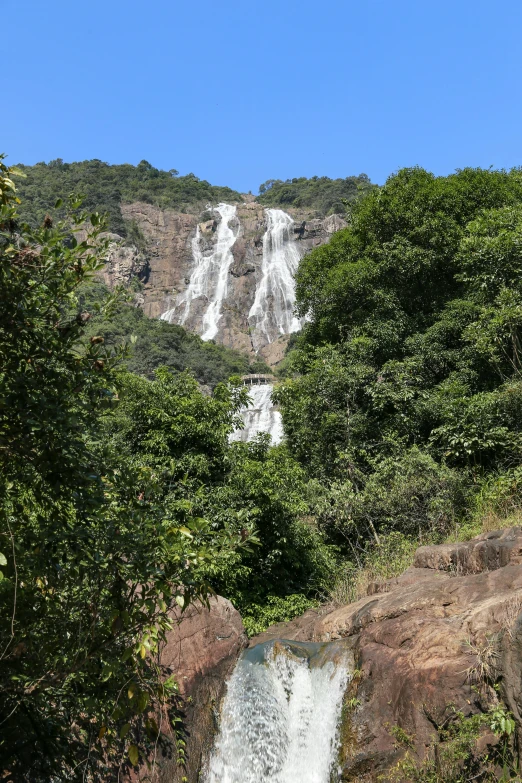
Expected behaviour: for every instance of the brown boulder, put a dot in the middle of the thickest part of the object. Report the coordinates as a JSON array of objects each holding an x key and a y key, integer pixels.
[
  {"x": 484, "y": 553},
  {"x": 421, "y": 642},
  {"x": 201, "y": 652}
]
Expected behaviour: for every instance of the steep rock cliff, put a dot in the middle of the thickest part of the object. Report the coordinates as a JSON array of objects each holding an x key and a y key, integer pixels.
[{"x": 173, "y": 243}]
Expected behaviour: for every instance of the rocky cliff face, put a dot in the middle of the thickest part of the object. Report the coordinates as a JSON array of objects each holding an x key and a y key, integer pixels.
[
  {"x": 176, "y": 242},
  {"x": 433, "y": 641}
]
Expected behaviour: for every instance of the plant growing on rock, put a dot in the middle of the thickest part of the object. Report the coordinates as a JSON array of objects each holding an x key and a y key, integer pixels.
[{"x": 454, "y": 757}]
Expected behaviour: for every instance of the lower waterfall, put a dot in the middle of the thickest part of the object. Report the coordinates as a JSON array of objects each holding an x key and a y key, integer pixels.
[
  {"x": 281, "y": 714},
  {"x": 260, "y": 416}
]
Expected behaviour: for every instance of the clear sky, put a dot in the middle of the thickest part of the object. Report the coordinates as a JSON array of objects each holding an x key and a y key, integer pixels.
[{"x": 240, "y": 91}]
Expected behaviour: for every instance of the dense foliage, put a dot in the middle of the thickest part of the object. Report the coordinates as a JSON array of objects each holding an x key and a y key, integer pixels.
[
  {"x": 104, "y": 187},
  {"x": 406, "y": 386},
  {"x": 121, "y": 496},
  {"x": 91, "y": 555},
  {"x": 250, "y": 490},
  {"x": 121, "y": 499},
  {"x": 322, "y": 195},
  {"x": 154, "y": 343}
]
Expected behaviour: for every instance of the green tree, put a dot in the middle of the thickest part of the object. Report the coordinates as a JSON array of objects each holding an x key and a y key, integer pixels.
[
  {"x": 411, "y": 356},
  {"x": 91, "y": 558},
  {"x": 250, "y": 491}
]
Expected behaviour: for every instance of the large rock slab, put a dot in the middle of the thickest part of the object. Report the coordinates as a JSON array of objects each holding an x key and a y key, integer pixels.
[{"x": 420, "y": 641}]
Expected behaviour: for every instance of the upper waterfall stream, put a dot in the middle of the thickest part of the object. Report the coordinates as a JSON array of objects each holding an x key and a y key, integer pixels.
[
  {"x": 280, "y": 716},
  {"x": 272, "y": 312},
  {"x": 209, "y": 277}
]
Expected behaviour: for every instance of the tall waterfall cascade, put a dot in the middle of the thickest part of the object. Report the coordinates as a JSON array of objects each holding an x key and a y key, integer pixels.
[
  {"x": 280, "y": 717},
  {"x": 272, "y": 312},
  {"x": 200, "y": 305},
  {"x": 260, "y": 416},
  {"x": 209, "y": 278}
]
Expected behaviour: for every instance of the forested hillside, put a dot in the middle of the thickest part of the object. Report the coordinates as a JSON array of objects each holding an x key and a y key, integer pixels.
[
  {"x": 406, "y": 398},
  {"x": 105, "y": 187},
  {"x": 153, "y": 343},
  {"x": 121, "y": 495},
  {"x": 322, "y": 195}
]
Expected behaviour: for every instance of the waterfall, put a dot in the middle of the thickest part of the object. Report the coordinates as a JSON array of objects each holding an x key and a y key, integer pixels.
[
  {"x": 209, "y": 278},
  {"x": 260, "y": 416},
  {"x": 272, "y": 312},
  {"x": 280, "y": 716}
]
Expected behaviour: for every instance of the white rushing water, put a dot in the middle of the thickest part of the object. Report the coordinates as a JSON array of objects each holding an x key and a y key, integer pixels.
[
  {"x": 260, "y": 416},
  {"x": 209, "y": 278},
  {"x": 272, "y": 312},
  {"x": 279, "y": 722}
]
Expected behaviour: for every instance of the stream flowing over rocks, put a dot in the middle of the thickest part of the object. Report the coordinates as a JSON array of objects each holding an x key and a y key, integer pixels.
[{"x": 341, "y": 677}]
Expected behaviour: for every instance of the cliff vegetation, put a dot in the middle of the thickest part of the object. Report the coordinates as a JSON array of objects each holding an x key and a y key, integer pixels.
[
  {"x": 152, "y": 343},
  {"x": 104, "y": 187}
]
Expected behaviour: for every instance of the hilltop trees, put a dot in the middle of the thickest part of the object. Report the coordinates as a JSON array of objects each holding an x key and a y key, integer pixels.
[
  {"x": 320, "y": 194},
  {"x": 412, "y": 351},
  {"x": 104, "y": 187}
]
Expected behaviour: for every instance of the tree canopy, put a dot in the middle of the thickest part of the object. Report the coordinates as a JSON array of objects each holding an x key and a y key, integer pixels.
[
  {"x": 322, "y": 195},
  {"x": 104, "y": 187},
  {"x": 412, "y": 349}
]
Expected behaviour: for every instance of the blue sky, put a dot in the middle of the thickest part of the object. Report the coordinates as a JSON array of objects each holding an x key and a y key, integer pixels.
[{"x": 240, "y": 92}]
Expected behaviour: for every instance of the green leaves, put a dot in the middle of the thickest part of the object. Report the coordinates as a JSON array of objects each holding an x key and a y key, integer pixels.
[
  {"x": 133, "y": 755},
  {"x": 89, "y": 497}
]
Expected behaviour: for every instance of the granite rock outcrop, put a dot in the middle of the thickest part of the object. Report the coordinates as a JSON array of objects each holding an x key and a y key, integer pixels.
[
  {"x": 419, "y": 641},
  {"x": 165, "y": 266},
  {"x": 201, "y": 652}
]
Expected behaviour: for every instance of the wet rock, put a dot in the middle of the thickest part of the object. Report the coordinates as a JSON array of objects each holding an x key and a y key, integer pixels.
[
  {"x": 208, "y": 227},
  {"x": 418, "y": 641}
]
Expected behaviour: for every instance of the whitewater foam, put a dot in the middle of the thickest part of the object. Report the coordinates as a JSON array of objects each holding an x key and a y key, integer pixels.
[{"x": 280, "y": 716}]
